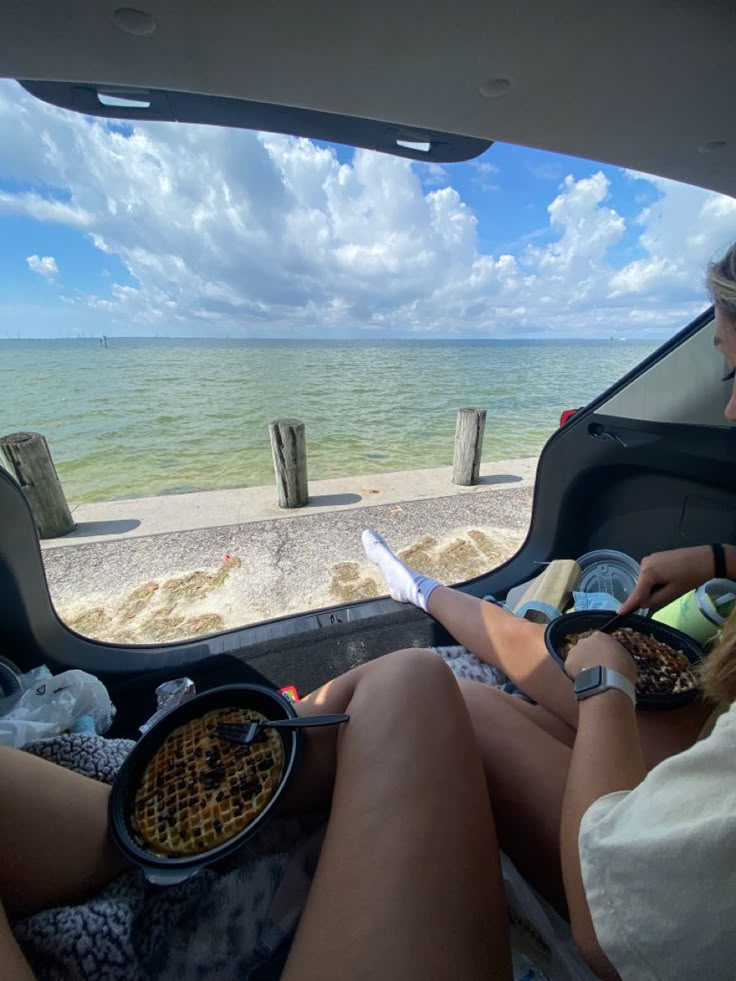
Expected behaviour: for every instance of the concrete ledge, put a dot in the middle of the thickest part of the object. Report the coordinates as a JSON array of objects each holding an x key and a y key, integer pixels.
[{"x": 121, "y": 520}]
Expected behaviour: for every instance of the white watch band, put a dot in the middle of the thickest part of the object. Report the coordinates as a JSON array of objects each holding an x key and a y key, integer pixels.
[{"x": 593, "y": 681}]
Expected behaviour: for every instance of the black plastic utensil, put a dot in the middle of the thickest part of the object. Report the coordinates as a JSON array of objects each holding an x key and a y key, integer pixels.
[
  {"x": 247, "y": 732},
  {"x": 609, "y": 625}
]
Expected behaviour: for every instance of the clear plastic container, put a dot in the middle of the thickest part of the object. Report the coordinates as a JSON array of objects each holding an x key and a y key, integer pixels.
[{"x": 608, "y": 571}]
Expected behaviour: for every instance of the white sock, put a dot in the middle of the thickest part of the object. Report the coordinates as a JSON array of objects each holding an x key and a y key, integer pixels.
[{"x": 404, "y": 585}]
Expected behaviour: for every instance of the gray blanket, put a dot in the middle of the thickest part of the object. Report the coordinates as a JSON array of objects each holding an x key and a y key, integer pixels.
[{"x": 215, "y": 926}]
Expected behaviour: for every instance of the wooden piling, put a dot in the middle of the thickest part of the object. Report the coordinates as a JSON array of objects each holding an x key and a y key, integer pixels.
[
  {"x": 30, "y": 461},
  {"x": 289, "y": 448},
  {"x": 468, "y": 446}
]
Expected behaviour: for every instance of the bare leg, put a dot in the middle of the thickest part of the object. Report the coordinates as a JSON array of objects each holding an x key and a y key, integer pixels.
[
  {"x": 517, "y": 648},
  {"x": 491, "y": 633},
  {"x": 53, "y": 834},
  {"x": 15, "y": 966},
  {"x": 526, "y": 769},
  {"x": 408, "y": 884},
  {"x": 507, "y": 642},
  {"x": 526, "y": 756}
]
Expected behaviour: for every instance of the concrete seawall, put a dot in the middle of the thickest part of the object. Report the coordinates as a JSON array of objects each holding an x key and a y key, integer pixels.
[
  {"x": 156, "y": 569},
  {"x": 115, "y": 520}
]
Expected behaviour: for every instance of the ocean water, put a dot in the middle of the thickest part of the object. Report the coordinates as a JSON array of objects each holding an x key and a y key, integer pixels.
[{"x": 153, "y": 416}]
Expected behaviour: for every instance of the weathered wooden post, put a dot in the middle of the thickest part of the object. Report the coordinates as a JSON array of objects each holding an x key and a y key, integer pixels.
[
  {"x": 30, "y": 461},
  {"x": 289, "y": 448},
  {"x": 468, "y": 446}
]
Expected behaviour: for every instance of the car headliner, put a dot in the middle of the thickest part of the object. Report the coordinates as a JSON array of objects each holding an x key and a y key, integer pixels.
[{"x": 646, "y": 84}]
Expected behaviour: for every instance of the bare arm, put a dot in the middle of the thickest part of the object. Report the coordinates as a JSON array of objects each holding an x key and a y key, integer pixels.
[
  {"x": 606, "y": 757},
  {"x": 666, "y": 575}
]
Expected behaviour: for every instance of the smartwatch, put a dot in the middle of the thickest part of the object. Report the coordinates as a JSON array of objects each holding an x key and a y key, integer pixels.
[{"x": 593, "y": 681}]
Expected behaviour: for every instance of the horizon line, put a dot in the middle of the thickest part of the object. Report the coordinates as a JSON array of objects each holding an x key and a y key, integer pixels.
[{"x": 362, "y": 340}]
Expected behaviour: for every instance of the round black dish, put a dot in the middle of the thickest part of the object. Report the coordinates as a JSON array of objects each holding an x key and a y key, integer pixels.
[
  {"x": 575, "y": 623},
  {"x": 169, "y": 871}
]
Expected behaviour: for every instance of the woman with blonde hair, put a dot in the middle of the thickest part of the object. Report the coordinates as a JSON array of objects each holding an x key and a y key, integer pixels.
[{"x": 625, "y": 821}]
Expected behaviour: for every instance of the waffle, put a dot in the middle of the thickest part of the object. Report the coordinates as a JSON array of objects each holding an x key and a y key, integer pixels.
[
  {"x": 199, "y": 790},
  {"x": 660, "y": 669}
]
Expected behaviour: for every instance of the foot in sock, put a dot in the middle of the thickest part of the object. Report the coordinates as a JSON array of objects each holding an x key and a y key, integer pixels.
[{"x": 404, "y": 585}]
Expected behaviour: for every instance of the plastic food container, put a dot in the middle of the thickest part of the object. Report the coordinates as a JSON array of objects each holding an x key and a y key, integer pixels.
[
  {"x": 574, "y": 623},
  {"x": 608, "y": 571},
  {"x": 165, "y": 871}
]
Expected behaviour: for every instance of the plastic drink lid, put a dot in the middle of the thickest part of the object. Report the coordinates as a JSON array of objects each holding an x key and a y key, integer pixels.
[
  {"x": 718, "y": 589},
  {"x": 608, "y": 571},
  {"x": 715, "y": 599}
]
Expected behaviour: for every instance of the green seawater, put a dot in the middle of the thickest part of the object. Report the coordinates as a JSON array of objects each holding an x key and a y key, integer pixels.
[{"x": 148, "y": 416}]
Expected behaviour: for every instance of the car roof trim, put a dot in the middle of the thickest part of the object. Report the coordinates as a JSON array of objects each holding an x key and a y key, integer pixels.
[{"x": 186, "y": 107}]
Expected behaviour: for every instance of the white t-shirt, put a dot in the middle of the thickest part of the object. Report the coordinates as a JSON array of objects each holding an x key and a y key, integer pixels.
[{"x": 659, "y": 866}]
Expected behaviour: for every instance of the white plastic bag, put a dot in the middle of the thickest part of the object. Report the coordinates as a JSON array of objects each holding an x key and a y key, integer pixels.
[
  {"x": 541, "y": 941},
  {"x": 52, "y": 704},
  {"x": 168, "y": 696}
]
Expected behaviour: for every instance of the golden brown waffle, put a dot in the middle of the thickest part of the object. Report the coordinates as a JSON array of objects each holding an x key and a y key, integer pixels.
[
  {"x": 660, "y": 669},
  {"x": 199, "y": 790}
]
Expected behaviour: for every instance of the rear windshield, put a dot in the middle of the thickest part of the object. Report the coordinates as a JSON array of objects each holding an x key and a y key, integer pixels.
[{"x": 241, "y": 349}]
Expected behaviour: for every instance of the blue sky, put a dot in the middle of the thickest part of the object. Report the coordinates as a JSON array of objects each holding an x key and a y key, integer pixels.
[{"x": 173, "y": 230}]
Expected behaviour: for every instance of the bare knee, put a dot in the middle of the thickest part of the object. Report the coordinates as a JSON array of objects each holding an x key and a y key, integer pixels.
[
  {"x": 489, "y": 707},
  {"x": 416, "y": 666},
  {"x": 415, "y": 673}
]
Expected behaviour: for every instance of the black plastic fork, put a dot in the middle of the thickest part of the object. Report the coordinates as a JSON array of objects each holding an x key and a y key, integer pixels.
[{"x": 247, "y": 732}]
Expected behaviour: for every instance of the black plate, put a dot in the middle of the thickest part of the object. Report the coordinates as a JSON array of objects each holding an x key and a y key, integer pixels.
[
  {"x": 575, "y": 623},
  {"x": 168, "y": 871}
]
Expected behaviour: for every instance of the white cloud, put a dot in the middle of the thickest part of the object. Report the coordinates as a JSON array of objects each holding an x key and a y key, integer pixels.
[
  {"x": 681, "y": 232},
  {"x": 432, "y": 174},
  {"x": 45, "y": 266},
  {"x": 220, "y": 230},
  {"x": 36, "y": 206},
  {"x": 484, "y": 173}
]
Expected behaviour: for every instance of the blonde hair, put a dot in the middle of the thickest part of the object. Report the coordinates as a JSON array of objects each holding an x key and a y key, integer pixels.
[
  {"x": 721, "y": 282},
  {"x": 718, "y": 673}
]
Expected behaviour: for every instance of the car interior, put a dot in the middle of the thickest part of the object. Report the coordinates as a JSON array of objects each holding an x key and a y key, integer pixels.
[{"x": 648, "y": 86}]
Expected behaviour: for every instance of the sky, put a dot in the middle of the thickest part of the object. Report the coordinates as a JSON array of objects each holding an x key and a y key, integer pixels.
[{"x": 162, "y": 229}]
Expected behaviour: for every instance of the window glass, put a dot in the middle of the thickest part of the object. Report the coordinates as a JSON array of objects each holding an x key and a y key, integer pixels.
[
  {"x": 168, "y": 291},
  {"x": 686, "y": 386}
]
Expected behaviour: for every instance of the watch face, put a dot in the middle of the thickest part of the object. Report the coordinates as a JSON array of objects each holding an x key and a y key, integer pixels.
[{"x": 589, "y": 679}]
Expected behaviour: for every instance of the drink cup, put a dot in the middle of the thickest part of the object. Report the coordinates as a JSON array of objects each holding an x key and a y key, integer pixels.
[{"x": 698, "y": 613}]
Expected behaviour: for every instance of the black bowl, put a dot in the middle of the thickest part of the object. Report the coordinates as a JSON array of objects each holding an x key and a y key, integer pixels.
[
  {"x": 574, "y": 623},
  {"x": 169, "y": 871}
]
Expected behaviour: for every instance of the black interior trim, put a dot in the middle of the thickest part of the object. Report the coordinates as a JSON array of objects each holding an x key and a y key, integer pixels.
[{"x": 186, "y": 107}]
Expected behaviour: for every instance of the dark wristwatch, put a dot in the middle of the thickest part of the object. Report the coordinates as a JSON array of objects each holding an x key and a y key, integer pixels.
[{"x": 593, "y": 681}]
